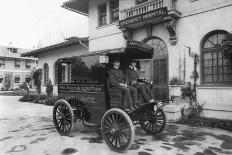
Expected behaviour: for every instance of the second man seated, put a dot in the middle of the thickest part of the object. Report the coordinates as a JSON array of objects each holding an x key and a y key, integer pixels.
[{"x": 132, "y": 76}]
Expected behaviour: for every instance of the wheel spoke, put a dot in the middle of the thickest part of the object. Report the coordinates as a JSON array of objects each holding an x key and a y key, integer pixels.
[
  {"x": 116, "y": 140},
  {"x": 125, "y": 137},
  {"x": 113, "y": 137},
  {"x": 122, "y": 139},
  {"x": 113, "y": 119},
  {"x": 108, "y": 123},
  {"x": 111, "y": 123}
]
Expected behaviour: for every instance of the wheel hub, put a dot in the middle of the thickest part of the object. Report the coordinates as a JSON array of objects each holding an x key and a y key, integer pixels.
[{"x": 115, "y": 128}]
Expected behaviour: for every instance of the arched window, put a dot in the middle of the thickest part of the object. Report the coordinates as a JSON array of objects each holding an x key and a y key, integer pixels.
[
  {"x": 160, "y": 47},
  {"x": 46, "y": 73},
  {"x": 215, "y": 67},
  {"x": 56, "y": 72}
]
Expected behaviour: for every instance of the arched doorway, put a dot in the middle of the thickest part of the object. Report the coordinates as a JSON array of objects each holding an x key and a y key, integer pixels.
[{"x": 157, "y": 68}]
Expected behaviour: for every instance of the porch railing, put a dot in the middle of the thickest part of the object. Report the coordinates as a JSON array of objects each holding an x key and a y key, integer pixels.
[{"x": 145, "y": 7}]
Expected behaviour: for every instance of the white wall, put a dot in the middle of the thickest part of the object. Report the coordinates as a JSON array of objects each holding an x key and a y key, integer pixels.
[
  {"x": 104, "y": 37},
  {"x": 51, "y": 57},
  {"x": 216, "y": 101}
]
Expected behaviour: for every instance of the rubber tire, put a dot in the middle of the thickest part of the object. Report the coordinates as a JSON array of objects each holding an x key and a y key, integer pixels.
[
  {"x": 162, "y": 126},
  {"x": 126, "y": 117},
  {"x": 65, "y": 103}
]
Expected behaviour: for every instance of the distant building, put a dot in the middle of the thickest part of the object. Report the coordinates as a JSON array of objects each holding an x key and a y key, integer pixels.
[
  {"x": 14, "y": 69},
  {"x": 48, "y": 56},
  {"x": 172, "y": 28}
]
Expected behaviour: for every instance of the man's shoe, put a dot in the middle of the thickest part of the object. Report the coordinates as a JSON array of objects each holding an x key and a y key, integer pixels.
[
  {"x": 127, "y": 110},
  {"x": 136, "y": 106},
  {"x": 152, "y": 100}
]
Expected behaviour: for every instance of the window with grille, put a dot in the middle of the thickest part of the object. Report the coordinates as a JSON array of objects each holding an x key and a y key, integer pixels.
[
  {"x": 215, "y": 66},
  {"x": 102, "y": 14},
  {"x": 114, "y": 4},
  {"x": 46, "y": 73},
  {"x": 17, "y": 63},
  {"x": 28, "y": 64},
  {"x": 1, "y": 78},
  {"x": 2, "y": 63},
  {"x": 13, "y": 50},
  {"x": 17, "y": 79},
  {"x": 66, "y": 72},
  {"x": 28, "y": 80}
]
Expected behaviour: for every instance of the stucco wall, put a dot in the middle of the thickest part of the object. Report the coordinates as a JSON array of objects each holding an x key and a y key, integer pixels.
[
  {"x": 104, "y": 37},
  {"x": 51, "y": 57},
  {"x": 198, "y": 18}
]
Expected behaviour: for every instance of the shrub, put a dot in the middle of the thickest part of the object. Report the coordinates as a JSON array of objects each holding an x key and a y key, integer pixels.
[
  {"x": 43, "y": 97},
  {"x": 23, "y": 86},
  {"x": 28, "y": 98},
  {"x": 51, "y": 100},
  {"x": 207, "y": 122},
  {"x": 175, "y": 81}
]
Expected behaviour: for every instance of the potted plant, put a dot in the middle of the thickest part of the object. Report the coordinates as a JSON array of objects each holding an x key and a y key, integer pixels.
[
  {"x": 175, "y": 85},
  {"x": 187, "y": 91}
]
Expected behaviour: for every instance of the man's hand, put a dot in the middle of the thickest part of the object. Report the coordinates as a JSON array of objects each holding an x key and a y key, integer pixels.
[
  {"x": 133, "y": 82},
  {"x": 122, "y": 84}
]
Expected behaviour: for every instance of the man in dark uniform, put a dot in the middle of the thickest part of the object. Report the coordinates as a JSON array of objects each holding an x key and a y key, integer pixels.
[
  {"x": 118, "y": 79},
  {"x": 132, "y": 75}
]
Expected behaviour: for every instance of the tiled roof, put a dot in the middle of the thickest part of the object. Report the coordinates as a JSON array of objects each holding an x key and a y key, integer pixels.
[{"x": 68, "y": 42}]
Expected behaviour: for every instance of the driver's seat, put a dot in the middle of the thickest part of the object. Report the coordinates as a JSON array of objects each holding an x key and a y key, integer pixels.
[{"x": 116, "y": 97}]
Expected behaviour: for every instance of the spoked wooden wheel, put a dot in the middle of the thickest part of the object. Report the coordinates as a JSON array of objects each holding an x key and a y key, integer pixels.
[
  {"x": 117, "y": 130},
  {"x": 153, "y": 122},
  {"x": 63, "y": 117}
]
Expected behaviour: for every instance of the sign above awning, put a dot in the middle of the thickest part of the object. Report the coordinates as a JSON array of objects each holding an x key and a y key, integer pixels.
[
  {"x": 139, "y": 50},
  {"x": 139, "y": 45},
  {"x": 143, "y": 17}
]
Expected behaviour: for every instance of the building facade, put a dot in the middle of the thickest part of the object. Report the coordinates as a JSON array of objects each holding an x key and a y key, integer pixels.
[
  {"x": 14, "y": 69},
  {"x": 175, "y": 29},
  {"x": 48, "y": 56}
]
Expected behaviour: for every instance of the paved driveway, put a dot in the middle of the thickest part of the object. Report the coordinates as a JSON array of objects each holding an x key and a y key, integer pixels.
[{"x": 27, "y": 129}]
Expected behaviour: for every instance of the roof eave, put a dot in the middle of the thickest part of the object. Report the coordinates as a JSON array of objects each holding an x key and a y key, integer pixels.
[
  {"x": 36, "y": 52},
  {"x": 79, "y": 12},
  {"x": 78, "y": 6}
]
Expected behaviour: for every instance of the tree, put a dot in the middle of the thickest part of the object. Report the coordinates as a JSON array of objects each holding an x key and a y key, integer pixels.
[
  {"x": 37, "y": 76},
  {"x": 8, "y": 80}
]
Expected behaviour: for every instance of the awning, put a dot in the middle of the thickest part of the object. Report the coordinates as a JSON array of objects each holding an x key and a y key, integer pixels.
[{"x": 135, "y": 50}]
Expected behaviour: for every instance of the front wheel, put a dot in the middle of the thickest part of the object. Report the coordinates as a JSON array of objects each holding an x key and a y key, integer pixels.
[
  {"x": 63, "y": 117},
  {"x": 153, "y": 122},
  {"x": 117, "y": 130}
]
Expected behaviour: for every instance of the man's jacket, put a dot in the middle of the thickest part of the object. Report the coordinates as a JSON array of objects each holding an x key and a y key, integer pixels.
[
  {"x": 131, "y": 74},
  {"x": 116, "y": 77}
]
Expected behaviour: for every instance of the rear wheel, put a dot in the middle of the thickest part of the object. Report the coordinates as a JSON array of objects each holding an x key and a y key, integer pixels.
[
  {"x": 63, "y": 117},
  {"x": 153, "y": 122},
  {"x": 117, "y": 130}
]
